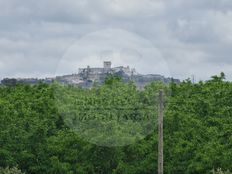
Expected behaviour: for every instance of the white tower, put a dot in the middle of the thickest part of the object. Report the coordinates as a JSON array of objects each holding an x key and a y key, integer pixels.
[{"x": 107, "y": 65}]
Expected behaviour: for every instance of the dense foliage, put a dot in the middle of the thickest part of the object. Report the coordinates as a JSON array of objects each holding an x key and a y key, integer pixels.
[{"x": 40, "y": 130}]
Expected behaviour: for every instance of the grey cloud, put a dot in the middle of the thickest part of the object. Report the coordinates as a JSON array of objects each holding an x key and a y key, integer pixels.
[{"x": 194, "y": 37}]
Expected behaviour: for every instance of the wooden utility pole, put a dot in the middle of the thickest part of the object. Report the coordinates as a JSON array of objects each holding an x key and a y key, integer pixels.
[{"x": 160, "y": 130}]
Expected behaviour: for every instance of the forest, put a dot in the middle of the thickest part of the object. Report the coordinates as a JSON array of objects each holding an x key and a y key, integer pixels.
[{"x": 112, "y": 128}]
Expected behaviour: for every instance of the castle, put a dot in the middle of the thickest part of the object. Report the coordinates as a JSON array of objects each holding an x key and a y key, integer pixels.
[
  {"x": 86, "y": 77},
  {"x": 96, "y": 73}
]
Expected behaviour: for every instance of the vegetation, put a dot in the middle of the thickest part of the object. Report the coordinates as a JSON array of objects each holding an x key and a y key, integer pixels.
[
  {"x": 219, "y": 171},
  {"x": 8, "y": 170},
  {"x": 54, "y": 129}
]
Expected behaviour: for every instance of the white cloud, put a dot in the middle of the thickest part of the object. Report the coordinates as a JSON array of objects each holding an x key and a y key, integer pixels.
[{"x": 119, "y": 46}]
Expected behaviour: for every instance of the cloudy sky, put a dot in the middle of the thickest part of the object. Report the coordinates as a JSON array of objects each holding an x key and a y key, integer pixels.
[{"x": 178, "y": 38}]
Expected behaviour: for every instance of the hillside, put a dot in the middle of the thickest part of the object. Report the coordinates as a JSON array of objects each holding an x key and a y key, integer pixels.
[{"x": 87, "y": 77}]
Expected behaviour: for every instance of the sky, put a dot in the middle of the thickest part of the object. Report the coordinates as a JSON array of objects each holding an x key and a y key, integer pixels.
[{"x": 175, "y": 38}]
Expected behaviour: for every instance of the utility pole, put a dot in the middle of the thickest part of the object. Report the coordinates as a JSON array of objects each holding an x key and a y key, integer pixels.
[{"x": 160, "y": 132}]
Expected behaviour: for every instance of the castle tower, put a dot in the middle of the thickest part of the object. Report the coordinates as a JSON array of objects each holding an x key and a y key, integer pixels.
[{"x": 107, "y": 65}]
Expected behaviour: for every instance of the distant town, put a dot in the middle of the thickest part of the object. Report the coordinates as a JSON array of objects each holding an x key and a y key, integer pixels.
[{"x": 87, "y": 77}]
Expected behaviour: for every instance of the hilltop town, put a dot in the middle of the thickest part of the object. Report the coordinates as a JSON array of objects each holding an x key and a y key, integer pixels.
[{"x": 87, "y": 77}]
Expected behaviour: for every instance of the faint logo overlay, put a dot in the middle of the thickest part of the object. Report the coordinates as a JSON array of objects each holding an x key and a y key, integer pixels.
[{"x": 113, "y": 114}]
